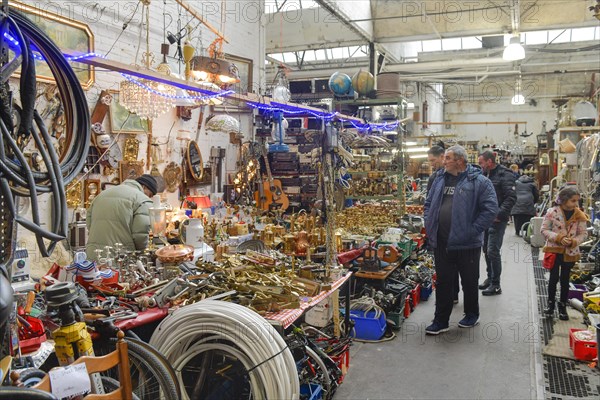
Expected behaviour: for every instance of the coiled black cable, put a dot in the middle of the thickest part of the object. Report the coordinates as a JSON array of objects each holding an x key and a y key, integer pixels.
[{"x": 16, "y": 176}]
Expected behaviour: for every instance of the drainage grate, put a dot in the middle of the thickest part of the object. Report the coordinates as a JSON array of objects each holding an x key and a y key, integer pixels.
[
  {"x": 569, "y": 378},
  {"x": 564, "y": 378}
]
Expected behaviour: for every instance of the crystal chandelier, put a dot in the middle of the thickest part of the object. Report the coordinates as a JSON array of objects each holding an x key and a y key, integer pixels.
[
  {"x": 148, "y": 99},
  {"x": 144, "y": 97}
]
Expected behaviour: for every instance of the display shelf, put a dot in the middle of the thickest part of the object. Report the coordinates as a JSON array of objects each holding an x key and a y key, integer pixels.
[
  {"x": 580, "y": 129},
  {"x": 292, "y": 175},
  {"x": 400, "y": 114},
  {"x": 371, "y": 102},
  {"x": 361, "y": 173}
]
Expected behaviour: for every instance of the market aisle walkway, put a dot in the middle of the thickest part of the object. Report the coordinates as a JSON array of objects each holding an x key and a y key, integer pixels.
[{"x": 497, "y": 359}]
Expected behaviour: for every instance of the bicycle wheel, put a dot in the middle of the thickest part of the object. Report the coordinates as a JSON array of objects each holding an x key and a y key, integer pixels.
[
  {"x": 163, "y": 361},
  {"x": 213, "y": 375},
  {"x": 110, "y": 385},
  {"x": 319, "y": 371},
  {"x": 151, "y": 377}
]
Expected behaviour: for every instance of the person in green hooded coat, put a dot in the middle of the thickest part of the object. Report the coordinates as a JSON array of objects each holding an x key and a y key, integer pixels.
[{"x": 120, "y": 215}]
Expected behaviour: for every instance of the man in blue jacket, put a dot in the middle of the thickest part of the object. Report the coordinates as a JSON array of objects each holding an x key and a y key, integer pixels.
[{"x": 460, "y": 207}]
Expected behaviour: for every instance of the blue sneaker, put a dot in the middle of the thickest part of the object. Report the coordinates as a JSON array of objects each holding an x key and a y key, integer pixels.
[
  {"x": 436, "y": 328},
  {"x": 469, "y": 321}
]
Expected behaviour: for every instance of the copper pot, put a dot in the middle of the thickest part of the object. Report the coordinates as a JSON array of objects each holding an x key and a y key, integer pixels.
[
  {"x": 302, "y": 244},
  {"x": 175, "y": 253}
]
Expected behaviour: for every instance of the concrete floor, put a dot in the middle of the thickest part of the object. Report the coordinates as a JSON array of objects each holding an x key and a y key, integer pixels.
[{"x": 498, "y": 359}]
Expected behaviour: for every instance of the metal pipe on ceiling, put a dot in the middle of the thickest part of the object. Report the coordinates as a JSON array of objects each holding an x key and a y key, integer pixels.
[{"x": 473, "y": 123}]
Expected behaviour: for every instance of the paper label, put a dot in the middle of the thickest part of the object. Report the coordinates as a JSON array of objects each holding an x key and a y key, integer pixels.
[{"x": 72, "y": 380}]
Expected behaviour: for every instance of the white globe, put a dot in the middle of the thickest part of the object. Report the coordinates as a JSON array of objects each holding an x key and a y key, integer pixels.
[{"x": 281, "y": 94}]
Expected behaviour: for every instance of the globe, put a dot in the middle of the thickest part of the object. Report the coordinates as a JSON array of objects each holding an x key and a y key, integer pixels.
[
  {"x": 340, "y": 84},
  {"x": 281, "y": 94},
  {"x": 363, "y": 83}
]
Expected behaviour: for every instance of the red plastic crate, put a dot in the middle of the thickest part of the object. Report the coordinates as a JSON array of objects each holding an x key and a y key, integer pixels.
[
  {"x": 31, "y": 345},
  {"x": 343, "y": 363},
  {"x": 582, "y": 349}
]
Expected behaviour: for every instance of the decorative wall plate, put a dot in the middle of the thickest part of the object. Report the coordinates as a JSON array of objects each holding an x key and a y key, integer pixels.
[{"x": 172, "y": 175}]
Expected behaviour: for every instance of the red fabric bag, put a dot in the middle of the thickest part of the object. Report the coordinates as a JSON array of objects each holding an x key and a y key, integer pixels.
[{"x": 549, "y": 260}]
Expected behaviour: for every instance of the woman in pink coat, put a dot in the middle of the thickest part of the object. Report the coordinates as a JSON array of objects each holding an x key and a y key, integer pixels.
[{"x": 564, "y": 228}]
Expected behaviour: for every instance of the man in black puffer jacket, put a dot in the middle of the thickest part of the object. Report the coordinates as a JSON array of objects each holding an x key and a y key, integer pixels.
[{"x": 504, "y": 184}]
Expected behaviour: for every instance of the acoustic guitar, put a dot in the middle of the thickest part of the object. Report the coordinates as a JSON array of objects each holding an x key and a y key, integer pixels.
[{"x": 272, "y": 197}]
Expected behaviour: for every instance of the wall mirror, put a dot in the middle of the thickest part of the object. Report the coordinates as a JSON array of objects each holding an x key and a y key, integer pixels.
[{"x": 194, "y": 160}]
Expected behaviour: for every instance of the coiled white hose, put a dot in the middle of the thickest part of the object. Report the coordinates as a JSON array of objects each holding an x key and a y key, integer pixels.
[
  {"x": 366, "y": 304},
  {"x": 238, "y": 331}
]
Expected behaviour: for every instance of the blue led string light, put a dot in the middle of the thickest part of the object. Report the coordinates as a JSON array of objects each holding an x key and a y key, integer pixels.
[
  {"x": 292, "y": 110},
  {"x": 39, "y": 57},
  {"x": 11, "y": 39},
  {"x": 148, "y": 88},
  {"x": 284, "y": 108}
]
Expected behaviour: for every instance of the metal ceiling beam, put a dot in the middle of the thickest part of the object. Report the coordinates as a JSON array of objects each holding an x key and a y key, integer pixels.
[
  {"x": 201, "y": 18},
  {"x": 329, "y": 6},
  {"x": 336, "y": 12},
  {"x": 407, "y": 20}
]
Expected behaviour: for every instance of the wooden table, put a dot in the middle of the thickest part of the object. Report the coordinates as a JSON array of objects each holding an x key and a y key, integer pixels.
[{"x": 377, "y": 275}]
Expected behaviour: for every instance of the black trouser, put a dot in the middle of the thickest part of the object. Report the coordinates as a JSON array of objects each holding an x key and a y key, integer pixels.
[
  {"x": 561, "y": 269},
  {"x": 520, "y": 219},
  {"x": 456, "y": 286},
  {"x": 447, "y": 263}
]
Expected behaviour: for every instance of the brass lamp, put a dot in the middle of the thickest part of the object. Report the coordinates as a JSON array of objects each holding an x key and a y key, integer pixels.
[
  {"x": 188, "y": 54},
  {"x": 215, "y": 68}
]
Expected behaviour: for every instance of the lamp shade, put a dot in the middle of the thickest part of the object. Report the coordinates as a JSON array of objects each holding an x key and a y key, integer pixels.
[
  {"x": 223, "y": 123},
  {"x": 514, "y": 51}
]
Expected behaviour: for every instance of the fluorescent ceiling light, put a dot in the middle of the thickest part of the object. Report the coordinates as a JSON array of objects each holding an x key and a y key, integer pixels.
[
  {"x": 418, "y": 156},
  {"x": 518, "y": 100},
  {"x": 410, "y": 143},
  {"x": 416, "y": 149},
  {"x": 514, "y": 51}
]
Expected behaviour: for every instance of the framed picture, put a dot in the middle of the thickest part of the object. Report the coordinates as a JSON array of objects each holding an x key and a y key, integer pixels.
[
  {"x": 130, "y": 169},
  {"x": 119, "y": 121},
  {"x": 245, "y": 66},
  {"x": 67, "y": 34},
  {"x": 92, "y": 189}
]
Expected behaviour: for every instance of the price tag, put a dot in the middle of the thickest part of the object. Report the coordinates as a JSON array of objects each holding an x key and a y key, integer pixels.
[{"x": 72, "y": 380}]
